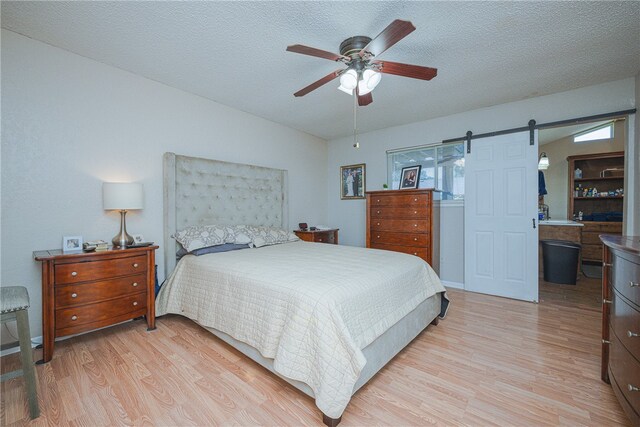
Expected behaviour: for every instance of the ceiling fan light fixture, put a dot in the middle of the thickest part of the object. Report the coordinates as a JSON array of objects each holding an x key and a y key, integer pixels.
[
  {"x": 349, "y": 79},
  {"x": 363, "y": 89},
  {"x": 371, "y": 78},
  {"x": 345, "y": 90}
]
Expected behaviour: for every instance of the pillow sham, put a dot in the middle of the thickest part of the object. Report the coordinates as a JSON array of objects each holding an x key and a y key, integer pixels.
[
  {"x": 211, "y": 249},
  {"x": 202, "y": 236},
  {"x": 261, "y": 236}
]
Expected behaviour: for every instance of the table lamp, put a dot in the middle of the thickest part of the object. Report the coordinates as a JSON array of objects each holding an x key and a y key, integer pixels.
[{"x": 122, "y": 197}]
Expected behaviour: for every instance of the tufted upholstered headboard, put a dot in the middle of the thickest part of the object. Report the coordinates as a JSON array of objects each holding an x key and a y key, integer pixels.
[{"x": 202, "y": 191}]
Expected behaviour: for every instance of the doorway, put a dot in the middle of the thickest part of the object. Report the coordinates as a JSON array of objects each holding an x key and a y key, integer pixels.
[{"x": 581, "y": 195}]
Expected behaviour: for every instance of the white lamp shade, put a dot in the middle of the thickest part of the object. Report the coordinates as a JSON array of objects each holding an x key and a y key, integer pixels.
[
  {"x": 371, "y": 79},
  {"x": 345, "y": 90},
  {"x": 122, "y": 196},
  {"x": 543, "y": 163},
  {"x": 349, "y": 79}
]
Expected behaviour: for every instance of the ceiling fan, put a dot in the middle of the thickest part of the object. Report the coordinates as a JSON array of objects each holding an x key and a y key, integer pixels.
[{"x": 358, "y": 53}]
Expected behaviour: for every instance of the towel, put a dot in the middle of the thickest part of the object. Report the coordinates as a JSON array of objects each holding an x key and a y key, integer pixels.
[{"x": 542, "y": 187}]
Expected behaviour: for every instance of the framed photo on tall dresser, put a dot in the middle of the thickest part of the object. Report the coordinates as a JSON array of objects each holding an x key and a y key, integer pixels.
[
  {"x": 352, "y": 182},
  {"x": 410, "y": 177}
]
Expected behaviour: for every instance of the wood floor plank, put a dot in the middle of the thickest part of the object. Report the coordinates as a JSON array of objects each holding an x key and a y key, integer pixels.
[{"x": 493, "y": 361}]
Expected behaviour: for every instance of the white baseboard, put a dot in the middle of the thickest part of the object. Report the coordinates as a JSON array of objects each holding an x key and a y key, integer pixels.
[{"x": 454, "y": 285}]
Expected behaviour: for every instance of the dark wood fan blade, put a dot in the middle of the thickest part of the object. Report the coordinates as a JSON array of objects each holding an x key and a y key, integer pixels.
[
  {"x": 391, "y": 35},
  {"x": 364, "y": 99},
  {"x": 315, "y": 85},
  {"x": 406, "y": 70},
  {"x": 312, "y": 51}
]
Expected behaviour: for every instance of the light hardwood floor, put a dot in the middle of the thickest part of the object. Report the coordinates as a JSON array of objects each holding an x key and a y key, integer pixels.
[{"x": 492, "y": 361}]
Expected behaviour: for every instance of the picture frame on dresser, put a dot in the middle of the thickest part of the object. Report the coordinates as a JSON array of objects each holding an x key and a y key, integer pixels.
[
  {"x": 410, "y": 177},
  {"x": 353, "y": 182},
  {"x": 71, "y": 244}
]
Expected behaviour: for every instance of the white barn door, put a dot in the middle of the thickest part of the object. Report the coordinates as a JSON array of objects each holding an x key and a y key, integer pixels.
[{"x": 501, "y": 216}]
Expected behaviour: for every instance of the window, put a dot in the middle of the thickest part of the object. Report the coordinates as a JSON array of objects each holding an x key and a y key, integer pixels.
[
  {"x": 442, "y": 168},
  {"x": 595, "y": 134}
]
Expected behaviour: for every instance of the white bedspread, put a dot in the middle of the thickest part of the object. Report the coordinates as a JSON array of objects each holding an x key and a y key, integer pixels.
[{"x": 311, "y": 307}]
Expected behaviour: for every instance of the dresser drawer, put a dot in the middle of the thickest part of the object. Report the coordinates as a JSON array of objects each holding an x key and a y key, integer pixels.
[
  {"x": 400, "y": 225},
  {"x": 422, "y": 252},
  {"x": 625, "y": 322},
  {"x": 91, "y": 292},
  {"x": 76, "y": 316},
  {"x": 399, "y": 212},
  {"x": 328, "y": 237},
  {"x": 400, "y": 239},
  {"x": 626, "y": 278},
  {"x": 625, "y": 370},
  {"x": 393, "y": 199},
  {"x": 97, "y": 270}
]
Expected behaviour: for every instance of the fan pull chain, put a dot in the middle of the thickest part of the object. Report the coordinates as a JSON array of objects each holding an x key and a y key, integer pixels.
[{"x": 356, "y": 144}]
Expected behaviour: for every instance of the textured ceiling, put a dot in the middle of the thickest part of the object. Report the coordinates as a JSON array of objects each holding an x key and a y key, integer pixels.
[{"x": 487, "y": 53}]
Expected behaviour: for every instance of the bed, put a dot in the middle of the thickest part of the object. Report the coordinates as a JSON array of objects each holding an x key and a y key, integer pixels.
[{"x": 325, "y": 318}]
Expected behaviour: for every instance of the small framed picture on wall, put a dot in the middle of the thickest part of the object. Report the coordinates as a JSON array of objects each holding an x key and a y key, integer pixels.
[
  {"x": 352, "y": 182},
  {"x": 410, "y": 177}
]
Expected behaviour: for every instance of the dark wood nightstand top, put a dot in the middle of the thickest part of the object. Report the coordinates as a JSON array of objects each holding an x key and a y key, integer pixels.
[{"x": 57, "y": 253}]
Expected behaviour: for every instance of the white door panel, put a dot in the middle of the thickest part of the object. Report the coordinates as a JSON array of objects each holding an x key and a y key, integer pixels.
[{"x": 501, "y": 208}]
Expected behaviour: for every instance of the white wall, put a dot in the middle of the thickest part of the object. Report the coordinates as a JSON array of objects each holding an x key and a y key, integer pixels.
[
  {"x": 70, "y": 123},
  {"x": 349, "y": 215}
]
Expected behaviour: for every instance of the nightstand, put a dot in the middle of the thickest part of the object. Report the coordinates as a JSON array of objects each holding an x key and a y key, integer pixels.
[
  {"x": 90, "y": 290},
  {"x": 320, "y": 236}
]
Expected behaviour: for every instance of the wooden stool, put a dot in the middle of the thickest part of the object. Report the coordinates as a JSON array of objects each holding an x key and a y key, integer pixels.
[{"x": 14, "y": 302}]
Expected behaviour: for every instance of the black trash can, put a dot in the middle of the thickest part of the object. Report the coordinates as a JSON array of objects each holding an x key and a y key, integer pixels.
[{"x": 560, "y": 261}]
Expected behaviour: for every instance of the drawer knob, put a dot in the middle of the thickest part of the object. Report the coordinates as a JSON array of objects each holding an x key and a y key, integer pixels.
[
  {"x": 415, "y": 225},
  {"x": 632, "y": 334},
  {"x": 415, "y": 200},
  {"x": 134, "y": 284},
  {"x": 415, "y": 212},
  {"x": 74, "y": 273},
  {"x": 633, "y": 285},
  {"x": 74, "y": 317},
  {"x": 74, "y": 295},
  {"x": 135, "y": 303},
  {"x": 135, "y": 265},
  {"x": 378, "y": 200},
  {"x": 378, "y": 237},
  {"x": 415, "y": 239},
  {"x": 415, "y": 253},
  {"x": 378, "y": 223},
  {"x": 319, "y": 240},
  {"x": 632, "y": 387}
]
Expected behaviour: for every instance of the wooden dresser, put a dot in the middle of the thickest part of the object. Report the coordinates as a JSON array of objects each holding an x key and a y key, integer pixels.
[
  {"x": 621, "y": 321},
  {"x": 319, "y": 236},
  {"x": 86, "y": 291},
  {"x": 401, "y": 221}
]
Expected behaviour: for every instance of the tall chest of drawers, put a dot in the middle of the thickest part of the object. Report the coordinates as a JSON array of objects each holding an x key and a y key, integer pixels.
[
  {"x": 86, "y": 291},
  {"x": 401, "y": 221},
  {"x": 621, "y": 321}
]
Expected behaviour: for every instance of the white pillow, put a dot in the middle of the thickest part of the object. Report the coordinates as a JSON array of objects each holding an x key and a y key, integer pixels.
[
  {"x": 261, "y": 236},
  {"x": 202, "y": 236}
]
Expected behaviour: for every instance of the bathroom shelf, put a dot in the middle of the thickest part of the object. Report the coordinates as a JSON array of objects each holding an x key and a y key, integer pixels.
[
  {"x": 599, "y": 197},
  {"x": 606, "y": 178}
]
